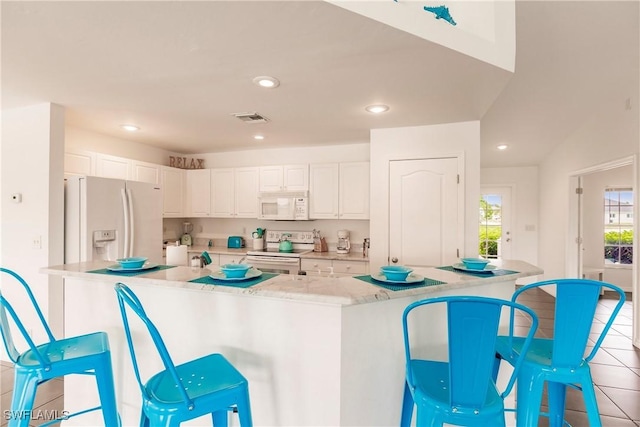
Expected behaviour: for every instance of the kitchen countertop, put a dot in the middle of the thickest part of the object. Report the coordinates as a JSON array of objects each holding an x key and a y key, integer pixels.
[
  {"x": 351, "y": 256},
  {"x": 220, "y": 250},
  {"x": 341, "y": 290}
]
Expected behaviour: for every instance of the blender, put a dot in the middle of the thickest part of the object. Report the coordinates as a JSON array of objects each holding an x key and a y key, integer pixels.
[
  {"x": 187, "y": 228},
  {"x": 343, "y": 245}
]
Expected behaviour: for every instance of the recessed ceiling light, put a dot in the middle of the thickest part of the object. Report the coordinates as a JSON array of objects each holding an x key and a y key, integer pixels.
[
  {"x": 130, "y": 128},
  {"x": 267, "y": 82},
  {"x": 502, "y": 147},
  {"x": 258, "y": 136},
  {"x": 377, "y": 109}
]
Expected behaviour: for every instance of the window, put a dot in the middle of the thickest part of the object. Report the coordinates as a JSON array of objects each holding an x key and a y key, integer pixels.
[
  {"x": 618, "y": 226},
  {"x": 490, "y": 225}
]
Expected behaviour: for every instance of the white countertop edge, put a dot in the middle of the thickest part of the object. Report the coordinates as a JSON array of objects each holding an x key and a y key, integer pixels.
[{"x": 344, "y": 290}]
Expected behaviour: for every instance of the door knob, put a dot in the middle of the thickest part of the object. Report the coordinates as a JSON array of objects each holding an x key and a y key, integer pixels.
[{"x": 394, "y": 260}]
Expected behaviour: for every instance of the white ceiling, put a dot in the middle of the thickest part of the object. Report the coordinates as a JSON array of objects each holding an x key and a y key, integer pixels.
[{"x": 180, "y": 69}]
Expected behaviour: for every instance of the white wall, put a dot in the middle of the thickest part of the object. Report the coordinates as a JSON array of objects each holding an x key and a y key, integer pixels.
[
  {"x": 417, "y": 143},
  {"x": 610, "y": 134},
  {"x": 32, "y": 165},
  {"x": 524, "y": 203},
  {"x": 593, "y": 212},
  {"x": 81, "y": 139}
]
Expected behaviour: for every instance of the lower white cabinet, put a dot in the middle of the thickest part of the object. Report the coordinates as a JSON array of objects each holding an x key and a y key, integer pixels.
[{"x": 339, "y": 266}]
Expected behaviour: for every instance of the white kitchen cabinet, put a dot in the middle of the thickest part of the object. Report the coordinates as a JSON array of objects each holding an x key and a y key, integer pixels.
[
  {"x": 284, "y": 178},
  {"x": 79, "y": 163},
  {"x": 339, "y": 191},
  {"x": 173, "y": 189},
  {"x": 324, "y": 266},
  {"x": 145, "y": 172},
  {"x": 113, "y": 167},
  {"x": 354, "y": 190},
  {"x": 323, "y": 191},
  {"x": 198, "y": 192},
  {"x": 234, "y": 192}
]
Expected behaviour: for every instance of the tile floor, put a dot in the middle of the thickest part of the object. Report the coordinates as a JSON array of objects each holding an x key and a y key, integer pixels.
[{"x": 615, "y": 370}]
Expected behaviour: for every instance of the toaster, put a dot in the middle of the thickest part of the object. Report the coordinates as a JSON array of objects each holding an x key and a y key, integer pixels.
[{"x": 235, "y": 242}]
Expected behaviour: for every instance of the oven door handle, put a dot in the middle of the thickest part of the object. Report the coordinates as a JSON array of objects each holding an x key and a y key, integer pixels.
[{"x": 272, "y": 260}]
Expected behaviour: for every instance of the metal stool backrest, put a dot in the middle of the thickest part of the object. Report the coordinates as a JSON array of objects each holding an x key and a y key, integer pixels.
[
  {"x": 576, "y": 304},
  {"x": 5, "y": 325},
  {"x": 473, "y": 324},
  {"x": 126, "y": 296}
]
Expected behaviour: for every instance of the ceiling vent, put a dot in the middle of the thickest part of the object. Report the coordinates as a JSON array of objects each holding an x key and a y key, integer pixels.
[{"x": 251, "y": 117}]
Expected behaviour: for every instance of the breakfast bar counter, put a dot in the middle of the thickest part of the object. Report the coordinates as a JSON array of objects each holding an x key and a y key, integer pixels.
[{"x": 316, "y": 350}]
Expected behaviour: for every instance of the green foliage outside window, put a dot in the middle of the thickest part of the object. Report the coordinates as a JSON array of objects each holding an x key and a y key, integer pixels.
[
  {"x": 624, "y": 237},
  {"x": 488, "y": 238}
]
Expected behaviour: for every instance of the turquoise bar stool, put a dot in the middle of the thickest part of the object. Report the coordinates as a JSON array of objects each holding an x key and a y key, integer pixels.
[
  {"x": 460, "y": 390},
  {"x": 207, "y": 385},
  {"x": 559, "y": 361},
  {"x": 87, "y": 355}
]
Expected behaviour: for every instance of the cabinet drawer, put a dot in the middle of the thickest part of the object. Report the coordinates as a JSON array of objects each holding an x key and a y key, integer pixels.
[
  {"x": 315, "y": 264},
  {"x": 350, "y": 267}
]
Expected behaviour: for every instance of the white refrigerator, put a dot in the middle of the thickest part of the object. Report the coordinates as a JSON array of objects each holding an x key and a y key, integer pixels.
[{"x": 107, "y": 219}]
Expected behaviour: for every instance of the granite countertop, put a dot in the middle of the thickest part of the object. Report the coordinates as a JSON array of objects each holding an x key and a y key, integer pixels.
[
  {"x": 351, "y": 256},
  {"x": 339, "y": 290}
]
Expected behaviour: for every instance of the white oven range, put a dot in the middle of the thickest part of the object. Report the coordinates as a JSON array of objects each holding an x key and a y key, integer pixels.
[{"x": 272, "y": 260}]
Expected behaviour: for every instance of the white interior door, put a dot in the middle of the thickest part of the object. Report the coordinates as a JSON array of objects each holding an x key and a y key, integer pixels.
[
  {"x": 496, "y": 237},
  {"x": 424, "y": 212}
]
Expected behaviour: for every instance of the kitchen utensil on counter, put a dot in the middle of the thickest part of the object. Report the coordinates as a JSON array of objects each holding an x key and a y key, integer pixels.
[
  {"x": 186, "y": 239},
  {"x": 317, "y": 245},
  {"x": 235, "y": 242},
  {"x": 258, "y": 243},
  {"x": 344, "y": 245},
  {"x": 258, "y": 233},
  {"x": 177, "y": 255},
  {"x": 285, "y": 245}
]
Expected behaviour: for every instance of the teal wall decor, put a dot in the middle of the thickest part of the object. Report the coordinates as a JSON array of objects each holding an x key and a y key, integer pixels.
[{"x": 441, "y": 12}]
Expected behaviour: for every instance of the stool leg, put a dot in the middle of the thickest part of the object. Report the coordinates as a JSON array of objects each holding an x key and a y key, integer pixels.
[
  {"x": 144, "y": 420},
  {"x": 590, "y": 403},
  {"x": 220, "y": 418},
  {"x": 24, "y": 394},
  {"x": 106, "y": 389},
  {"x": 529, "y": 389},
  {"x": 407, "y": 407},
  {"x": 557, "y": 396},
  {"x": 244, "y": 409}
]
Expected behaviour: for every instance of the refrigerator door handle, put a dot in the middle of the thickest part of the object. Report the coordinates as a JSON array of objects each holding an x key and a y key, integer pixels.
[
  {"x": 132, "y": 222},
  {"x": 126, "y": 223}
]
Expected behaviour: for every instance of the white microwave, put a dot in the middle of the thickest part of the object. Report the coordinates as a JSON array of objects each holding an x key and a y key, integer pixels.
[{"x": 287, "y": 206}]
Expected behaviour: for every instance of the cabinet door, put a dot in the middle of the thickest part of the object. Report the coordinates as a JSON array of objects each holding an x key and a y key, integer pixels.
[
  {"x": 172, "y": 191},
  {"x": 246, "y": 192},
  {"x": 222, "y": 193},
  {"x": 295, "y": 177},
  {"x": 145, "y": 172},
  {"x": 79, "y": 163},
  {"x": 316, "y": 265},
  {"x": 112, "y": 167},
  {"x": 354, "y": 190},
  {"x": 323, "y": 191},
  {"x": 199, "y": 192},
  {"x": 271, "y": 178}
]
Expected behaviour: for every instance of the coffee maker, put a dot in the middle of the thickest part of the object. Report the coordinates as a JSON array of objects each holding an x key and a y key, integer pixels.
[
  {"x": 187, "y": 228},
  {"x": 343, "y": 245}
]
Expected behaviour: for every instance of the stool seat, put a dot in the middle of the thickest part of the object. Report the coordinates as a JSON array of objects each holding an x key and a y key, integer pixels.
[{"x": 85, "y": 355}]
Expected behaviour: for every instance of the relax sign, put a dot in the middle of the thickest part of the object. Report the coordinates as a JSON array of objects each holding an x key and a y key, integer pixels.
[{"x": 184, "y": 163}]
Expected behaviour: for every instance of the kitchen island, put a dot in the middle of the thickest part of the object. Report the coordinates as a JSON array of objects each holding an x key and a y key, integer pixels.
[{"x": 317, "y": 350}]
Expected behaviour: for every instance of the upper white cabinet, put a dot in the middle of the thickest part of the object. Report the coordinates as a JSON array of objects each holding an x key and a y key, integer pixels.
[
  {"x": 173, "y": 189},
  {"x": 234, "y": 192},
  {"x": 198, "y": 192},
  {"x": 79, "y": 163},
  {"x": 284, "y": 178},
  {"x": 339, "y": 191},
  {"x": 323, "y": 190},
  {"x": 145, "y": 172},
  {"x": 112, "y": 167},
  {"x": 354, "y": 190}
]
